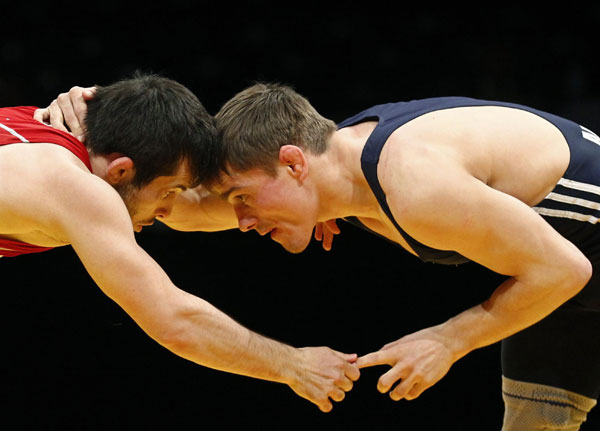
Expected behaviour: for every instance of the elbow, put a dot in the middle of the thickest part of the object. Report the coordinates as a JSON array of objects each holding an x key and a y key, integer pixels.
[
  {"x": 578, "y": 274},
  {"x": 173, "y": 337},
  {"x": 584, "y": 272}
]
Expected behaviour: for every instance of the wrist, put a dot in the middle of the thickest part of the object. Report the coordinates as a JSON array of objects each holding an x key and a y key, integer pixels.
[{"x": 290, "y": 365}]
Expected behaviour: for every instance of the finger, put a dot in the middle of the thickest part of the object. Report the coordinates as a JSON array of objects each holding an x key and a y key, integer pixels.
[
  {"x": 89, "y": 93},
  {"x": 332, "y": 226},
  {"x": 390, "y": 378},
  {"x": 337, "y": 395},
  {"x": 416, "y": 391},
  {"x": 349, "y": 357},
  {"x": 56, "y": 117},
  {"x": 372, "y": 359},
  {"x": 41, "y": 115},
  {"x": 79, "y": 104},
  {"x": 327, "y": 240},
  {"x": 402, "y": 390},
  {"x": 345, "y": 384},
  {"x": 325, "y": 406},
  {"x": 319, "y": 232},
  {"x": 66, "y": 103},
  {"x": 352, "y": 372}
]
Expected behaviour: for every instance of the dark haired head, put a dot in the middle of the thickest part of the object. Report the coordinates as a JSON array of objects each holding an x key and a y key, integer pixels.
[{"x": 157, "y": 123}]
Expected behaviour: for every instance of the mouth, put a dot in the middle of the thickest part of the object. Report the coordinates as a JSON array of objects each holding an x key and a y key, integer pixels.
[{"x": 263, "y": 232}]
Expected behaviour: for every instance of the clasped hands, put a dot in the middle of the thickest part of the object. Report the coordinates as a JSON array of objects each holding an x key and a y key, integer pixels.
[{"x": 417, "y": 362}]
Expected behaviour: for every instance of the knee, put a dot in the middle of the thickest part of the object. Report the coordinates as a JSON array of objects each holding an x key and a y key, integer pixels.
[{"x": 531, "y": 406}]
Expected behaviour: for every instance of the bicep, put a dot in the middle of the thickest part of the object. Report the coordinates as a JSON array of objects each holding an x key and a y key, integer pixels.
[{"x": 461, "y": 213}]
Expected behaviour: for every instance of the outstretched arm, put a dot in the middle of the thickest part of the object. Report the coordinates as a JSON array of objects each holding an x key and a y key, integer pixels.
[{"x": 71, "y": 205}]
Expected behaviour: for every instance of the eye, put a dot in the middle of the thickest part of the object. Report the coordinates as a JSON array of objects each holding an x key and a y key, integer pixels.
[
  {"x": 242, "y": 198},
  {"x": 167, "y": 194}
]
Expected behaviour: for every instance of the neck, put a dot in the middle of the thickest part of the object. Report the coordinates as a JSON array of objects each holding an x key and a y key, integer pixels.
[
  {"x": 342, "y": 188},
  {"x": 99, "y": 164}
]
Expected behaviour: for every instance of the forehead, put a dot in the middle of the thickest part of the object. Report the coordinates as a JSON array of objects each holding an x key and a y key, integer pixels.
[
  {"x": 232, "y": 180},
  {"x": 181, "y": 179}
]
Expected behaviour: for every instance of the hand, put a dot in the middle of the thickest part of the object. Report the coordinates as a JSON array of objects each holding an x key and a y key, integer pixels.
[
  {"x": 418, "y": 360},
  {"x": 325, "y": 231},
  {"x": 67, "y": 112},
  {"x": 323, "y": 373}
]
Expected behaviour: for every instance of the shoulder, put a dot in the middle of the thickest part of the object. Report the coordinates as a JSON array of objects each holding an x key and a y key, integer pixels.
[
  {"x": 419, "y": 175},
  {"x": 47, "y": 187}
]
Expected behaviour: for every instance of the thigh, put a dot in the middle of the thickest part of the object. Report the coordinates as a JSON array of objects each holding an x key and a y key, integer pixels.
[{"x": 563, "y": 351}]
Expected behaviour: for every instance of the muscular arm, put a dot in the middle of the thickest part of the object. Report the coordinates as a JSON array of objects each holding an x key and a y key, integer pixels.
[
  {"x": 449, "y": 209},
  {"x": 81, "y": 209},
  {"x": 508, "y": 237}
]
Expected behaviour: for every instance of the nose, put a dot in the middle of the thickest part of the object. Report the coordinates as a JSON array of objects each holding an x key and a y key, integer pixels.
[
  {"x": 246, "y": 221},
  {"x": 164, "y": 209}
]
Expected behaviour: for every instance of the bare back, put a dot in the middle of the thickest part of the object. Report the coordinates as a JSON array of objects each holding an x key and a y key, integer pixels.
[{"x": 510, "y": 150}]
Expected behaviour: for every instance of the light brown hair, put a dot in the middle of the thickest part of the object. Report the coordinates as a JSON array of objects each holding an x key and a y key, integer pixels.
[{"x": 258, "y": 121}]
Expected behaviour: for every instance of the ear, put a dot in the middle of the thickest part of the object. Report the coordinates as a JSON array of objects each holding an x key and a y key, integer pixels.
[
  {"x": 294, "y": 158},
  {"x": 120, "y": 170}
]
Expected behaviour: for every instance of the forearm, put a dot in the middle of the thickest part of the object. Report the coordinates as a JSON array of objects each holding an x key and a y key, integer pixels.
[
  {"x": 203, "y": 334},
  {"x": 512, "y": 307},
  {"x": 199, "y": 210}
]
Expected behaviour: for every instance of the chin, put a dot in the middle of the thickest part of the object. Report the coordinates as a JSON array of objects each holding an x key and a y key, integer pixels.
[
  {"x": 295, "y": 247},
  {"x": 292, "y": 244}
]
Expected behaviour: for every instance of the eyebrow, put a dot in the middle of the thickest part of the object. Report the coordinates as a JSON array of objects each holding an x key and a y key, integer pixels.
[{"x": 225, "y": 194}]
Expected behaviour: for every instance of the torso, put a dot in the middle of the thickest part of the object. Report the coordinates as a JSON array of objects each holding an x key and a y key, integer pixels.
[{"x": 513, "y": 151}]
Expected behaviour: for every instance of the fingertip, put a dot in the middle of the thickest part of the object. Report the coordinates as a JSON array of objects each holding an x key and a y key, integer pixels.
[
  {"x": 352, "y": 357},
  {"x": 326, "y": 408},
  {"x": 89, "y": 93},
  {"x": 382, "y": 388}
]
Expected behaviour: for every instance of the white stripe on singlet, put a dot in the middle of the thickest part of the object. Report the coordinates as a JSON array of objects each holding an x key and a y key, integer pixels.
[
  {"x": 557, "y": 197},
  {"x": 12, "y": 132},
  {"x": 589, "y": 135},
  {"x": 566, "y": 214}
]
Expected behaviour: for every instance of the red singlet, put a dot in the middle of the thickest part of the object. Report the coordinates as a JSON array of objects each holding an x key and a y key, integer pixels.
[{"x": 18, "y": 126}]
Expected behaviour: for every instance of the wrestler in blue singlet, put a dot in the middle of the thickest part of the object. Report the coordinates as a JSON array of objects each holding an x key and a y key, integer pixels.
[{"x": 562, "y": 350}]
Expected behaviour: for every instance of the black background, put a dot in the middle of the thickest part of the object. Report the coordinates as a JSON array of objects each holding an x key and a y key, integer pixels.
[{"x": 73, "y": 360}]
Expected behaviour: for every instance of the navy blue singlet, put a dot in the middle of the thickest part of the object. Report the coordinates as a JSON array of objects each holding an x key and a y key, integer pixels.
[{"x": 576, "y": 196}]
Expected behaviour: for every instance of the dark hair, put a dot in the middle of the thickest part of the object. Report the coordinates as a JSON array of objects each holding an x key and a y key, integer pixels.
[
  {"x": 255, "y": 123},
  {"x": 156, "y": 122}
]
